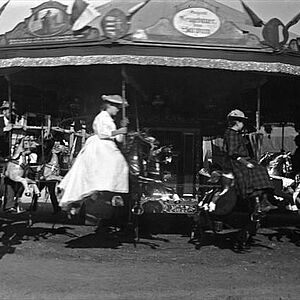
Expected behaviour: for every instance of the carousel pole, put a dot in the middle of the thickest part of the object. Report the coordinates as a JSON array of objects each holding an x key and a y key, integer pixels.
[
  {"x": 123, "y": 103},
  {"x": 282, "y": 137},
  {"x": 10, "y": 110},
  {"x": 258, "y": 108},
  {"x": 258, "y": 135}
]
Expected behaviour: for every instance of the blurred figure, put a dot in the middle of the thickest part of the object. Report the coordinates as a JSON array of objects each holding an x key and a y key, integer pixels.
[{"x": 5, "y": 127}]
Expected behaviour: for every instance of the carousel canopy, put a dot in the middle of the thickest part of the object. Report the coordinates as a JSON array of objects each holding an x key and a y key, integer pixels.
[{"x": 195, "y": 33}]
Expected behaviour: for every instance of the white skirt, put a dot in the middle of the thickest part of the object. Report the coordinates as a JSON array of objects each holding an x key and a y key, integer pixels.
[{"x": 99, "y": 166}]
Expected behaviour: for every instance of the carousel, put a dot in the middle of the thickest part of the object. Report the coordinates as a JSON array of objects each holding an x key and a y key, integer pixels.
[{"x": 182, "y": 69}]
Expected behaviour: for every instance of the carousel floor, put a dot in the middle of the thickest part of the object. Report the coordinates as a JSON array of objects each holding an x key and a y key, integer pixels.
[{"x": 155, "y": 223}]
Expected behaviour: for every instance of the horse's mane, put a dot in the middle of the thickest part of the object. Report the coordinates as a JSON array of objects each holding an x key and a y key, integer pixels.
[
  {"x": 274, "y": 162},
  {"x": 18, "y": 146}
]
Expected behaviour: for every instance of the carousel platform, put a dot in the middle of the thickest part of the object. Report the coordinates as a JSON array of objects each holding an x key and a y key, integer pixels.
[{"x": 158, "y": 218}]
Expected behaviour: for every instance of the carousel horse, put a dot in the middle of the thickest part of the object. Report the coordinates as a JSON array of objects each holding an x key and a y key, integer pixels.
[
  {"x": 145, "y": 158},
  {"x": 279, "y": 167},
  {"x": 17, "y": 165},
  {"x": 219, "y": 201},
  {"x": 220, "y": 209},
  {"x": 47, "y": 169},
  {"x": 277, "y": 164},
  {"x": 51, "y": 165}
]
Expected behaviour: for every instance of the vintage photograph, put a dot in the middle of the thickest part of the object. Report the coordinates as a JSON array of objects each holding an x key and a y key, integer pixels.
[{"x": 150, "y": 149}]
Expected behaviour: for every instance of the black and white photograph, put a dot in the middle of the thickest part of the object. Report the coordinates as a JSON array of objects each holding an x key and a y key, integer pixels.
[{"x": 150, "y": 149}]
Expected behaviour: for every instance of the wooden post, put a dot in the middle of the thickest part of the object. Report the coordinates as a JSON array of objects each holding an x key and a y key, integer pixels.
[
  {"x": 83, "y": 131},
  {"x": 72, "y": 141},
  {"x": 48, "y": 124}
]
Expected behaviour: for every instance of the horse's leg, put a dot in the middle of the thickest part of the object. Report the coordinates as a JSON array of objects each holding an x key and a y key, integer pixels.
[
  {"x": 249, "y": 223},
  {"x": 51, "y": 187},
  {"x": 265, "y": 199},
  {"x": 36, "y": 190},
  {"x": 10, "y": 193},
  {"x": 19, "y": 190},
  {"x": 23, "y": 181}
]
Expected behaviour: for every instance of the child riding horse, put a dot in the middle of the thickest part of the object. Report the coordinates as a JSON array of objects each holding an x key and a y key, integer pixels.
[{"x": 16, "y": 181}]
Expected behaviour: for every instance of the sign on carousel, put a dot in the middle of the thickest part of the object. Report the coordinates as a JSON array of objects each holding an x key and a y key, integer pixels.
[
  {"x": 49, "y": 23},
  {"x": 196, "y": 22}
]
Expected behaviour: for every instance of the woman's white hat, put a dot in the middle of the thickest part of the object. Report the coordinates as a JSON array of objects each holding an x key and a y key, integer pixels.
[
  {"x": 114, "y": 99},
  {"x": 236, "y": 113}
]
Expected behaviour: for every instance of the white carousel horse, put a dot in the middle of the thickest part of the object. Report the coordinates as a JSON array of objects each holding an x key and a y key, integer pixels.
[
  {"x": 277, "y": 164},
  {"x": 16, "y": 166}
]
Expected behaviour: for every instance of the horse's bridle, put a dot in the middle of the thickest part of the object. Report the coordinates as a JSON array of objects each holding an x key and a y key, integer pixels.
[{"x": 16, "y": 161}]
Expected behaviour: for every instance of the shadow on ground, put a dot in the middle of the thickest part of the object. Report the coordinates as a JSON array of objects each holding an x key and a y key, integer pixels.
[
  {"x": 113, "y": 239},
  {"x": 14, "y": 232},
  {"x": 290, "y": 233}
]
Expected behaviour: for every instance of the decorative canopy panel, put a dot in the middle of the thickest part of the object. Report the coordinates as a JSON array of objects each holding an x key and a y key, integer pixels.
[{"x": 202, "y": 33}]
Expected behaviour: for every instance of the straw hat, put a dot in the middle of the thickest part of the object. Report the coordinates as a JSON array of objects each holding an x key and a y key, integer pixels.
[
  {"x": 5, "y": 105},
  {"x": 236, "y": 114},
  {"x": 114, "y": 99}
]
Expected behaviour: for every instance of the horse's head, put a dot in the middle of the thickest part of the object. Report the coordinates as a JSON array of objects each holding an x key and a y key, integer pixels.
[
  {"x": 59, "y": 148},
  {"x": 31, "y": 143},
  {"x": 25, "y": 145},
  {"x": 142, "y": 150},
  {"x": 279, "y": 164},
  {"x": 266, "y": 158},
  {"x": 163, "y": 154}
]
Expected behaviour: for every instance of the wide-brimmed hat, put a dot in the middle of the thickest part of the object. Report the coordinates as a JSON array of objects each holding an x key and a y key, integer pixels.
[
  {"x": 236, "y": 114},
  {"x": 5, "y": 105},
  {"x": 114, "y": 99}
]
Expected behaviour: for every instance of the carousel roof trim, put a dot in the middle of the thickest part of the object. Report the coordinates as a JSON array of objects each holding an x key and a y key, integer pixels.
[
  {"x": 177, "y": 33},
  {"x": 208, "y": 63}
]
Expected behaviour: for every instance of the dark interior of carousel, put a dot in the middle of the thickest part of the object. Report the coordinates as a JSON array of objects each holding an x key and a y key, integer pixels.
[
  {"x": 160, "y": 97},
  {"x": 178, "y": 105}
]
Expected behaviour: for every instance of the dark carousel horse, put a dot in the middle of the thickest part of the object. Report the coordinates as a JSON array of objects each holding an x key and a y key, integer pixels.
[
  {"x": 222, "y": 211},
  {"x": 46, "y": 171},
  {"x": 145, "y": 158},
  {"x": 109, "y": 209},
  {"x": 219, "y": 203}
]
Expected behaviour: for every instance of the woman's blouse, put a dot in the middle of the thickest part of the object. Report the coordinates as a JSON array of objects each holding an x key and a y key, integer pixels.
[{"x": 104, "y": 125}]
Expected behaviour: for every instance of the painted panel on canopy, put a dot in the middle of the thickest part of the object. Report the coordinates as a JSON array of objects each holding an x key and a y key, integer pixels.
[
  {"x": 47, "y": 23},
  {"x": 169, "y": 21}
]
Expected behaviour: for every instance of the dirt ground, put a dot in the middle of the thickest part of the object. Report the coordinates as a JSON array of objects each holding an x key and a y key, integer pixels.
[{"x": 64, "y": 261}]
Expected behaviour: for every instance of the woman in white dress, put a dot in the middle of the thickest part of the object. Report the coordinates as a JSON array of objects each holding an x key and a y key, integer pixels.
[{"x": 99, "y": 166}]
